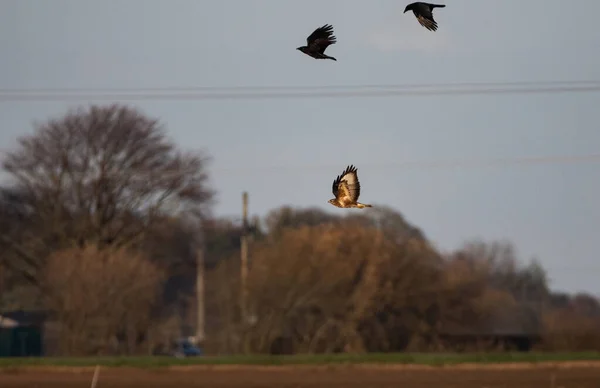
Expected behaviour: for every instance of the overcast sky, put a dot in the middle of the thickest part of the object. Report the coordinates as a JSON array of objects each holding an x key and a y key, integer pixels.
[{"x": 287, "y": 152}]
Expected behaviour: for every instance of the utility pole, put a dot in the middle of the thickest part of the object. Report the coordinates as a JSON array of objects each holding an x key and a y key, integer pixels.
[
  {"x": 200, "y": 324},
  {"x": 244, "y": 260}
]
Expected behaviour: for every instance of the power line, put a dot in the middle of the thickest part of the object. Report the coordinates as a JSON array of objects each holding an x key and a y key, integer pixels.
[
  {"x": 419, "y": 165},
  {"x": 294, "y": 87},
  {"x": 439, "y": 164},
  {"x": 14, "y": 97}
]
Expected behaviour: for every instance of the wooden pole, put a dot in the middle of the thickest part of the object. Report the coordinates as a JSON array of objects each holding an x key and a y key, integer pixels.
[
  {"x": 244, "y": 260},
  {"x": 200, "y": 324}
]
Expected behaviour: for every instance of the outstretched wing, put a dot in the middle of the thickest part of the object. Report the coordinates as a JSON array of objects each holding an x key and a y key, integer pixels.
[
  {"x": 424, "y": 15},
  {"x": 346, "y": 187},
  {"x": 430, "y": 24},
  {"x": 321, "y": 38}
]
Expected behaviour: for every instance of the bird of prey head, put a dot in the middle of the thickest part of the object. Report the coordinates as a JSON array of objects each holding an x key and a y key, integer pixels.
[
  {"x": 424, "y": 14},
  {"x": 318, "y": 41},
  {"x": 346, "y": 189}
]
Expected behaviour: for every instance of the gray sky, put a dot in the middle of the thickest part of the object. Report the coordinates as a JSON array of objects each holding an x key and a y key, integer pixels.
[{"x": 288, "y": 151}]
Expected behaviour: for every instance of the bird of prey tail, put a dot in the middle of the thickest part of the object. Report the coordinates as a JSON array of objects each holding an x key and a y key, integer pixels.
[
  {"x": 346, "y": 189},
  {"x": 318, "y": 41},
  {"x": 424, "y": 14}
]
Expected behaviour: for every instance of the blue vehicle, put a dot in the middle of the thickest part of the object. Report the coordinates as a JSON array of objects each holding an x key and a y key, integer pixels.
[{"x": 185, "y": 348}]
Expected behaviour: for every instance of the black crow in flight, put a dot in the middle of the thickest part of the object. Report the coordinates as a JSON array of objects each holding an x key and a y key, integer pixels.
[
  {"x": 318, "y": 41},
  {"x": 424, "y": 14}
]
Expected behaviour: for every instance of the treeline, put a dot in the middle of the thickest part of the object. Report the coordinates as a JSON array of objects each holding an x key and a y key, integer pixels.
[
  {"x": 374, "y": 283},
  {"x": 103, "y": 215}
]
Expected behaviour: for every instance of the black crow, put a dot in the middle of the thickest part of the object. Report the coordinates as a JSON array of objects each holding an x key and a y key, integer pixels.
[
  {"x": 424, "y": 14},
  {"x": 318, "y": 41}
]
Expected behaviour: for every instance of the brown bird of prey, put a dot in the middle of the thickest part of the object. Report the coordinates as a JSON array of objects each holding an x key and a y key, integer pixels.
[
  {"x": 318, "y": 41},
  {"x": 346, "y": 189},
  {"x": 424, "y": 14}
]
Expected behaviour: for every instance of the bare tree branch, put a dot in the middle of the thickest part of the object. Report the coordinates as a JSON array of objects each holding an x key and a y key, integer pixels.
[{"x": 104, "y": 175}]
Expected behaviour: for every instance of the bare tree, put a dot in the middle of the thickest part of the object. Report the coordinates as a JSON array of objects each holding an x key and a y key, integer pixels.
[
  {"x": 104, "y": 175},
  {"x": 330, "y": 287},
  {"x": 288, "y": 217},
  {"x": 101, "y": 299},
  {"x": 505, "y": 270},
  {"x": 569, "y": 329}
]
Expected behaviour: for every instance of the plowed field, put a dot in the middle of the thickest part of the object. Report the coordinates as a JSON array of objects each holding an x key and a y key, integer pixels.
[{"x": 549, "y": 375}]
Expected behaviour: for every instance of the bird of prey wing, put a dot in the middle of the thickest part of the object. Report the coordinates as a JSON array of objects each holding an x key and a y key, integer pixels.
[
  {"x": 344, "y": 194},
  {"x": 337, "y": 188},
  {"x": 347, "y": 185}
]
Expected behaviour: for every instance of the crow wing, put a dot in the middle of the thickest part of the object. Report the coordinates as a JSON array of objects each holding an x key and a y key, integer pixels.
[
  {"x": 424, "y": 15},
  {"x": 321, "y": 38},
  {"x": 346, "y": 186}
]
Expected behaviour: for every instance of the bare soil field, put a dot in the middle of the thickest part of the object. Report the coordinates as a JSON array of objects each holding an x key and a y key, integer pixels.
[{"x": 549, "y": 375}]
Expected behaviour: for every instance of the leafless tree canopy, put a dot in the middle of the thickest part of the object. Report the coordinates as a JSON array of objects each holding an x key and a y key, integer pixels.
[
  {"x": 356, "y": 284},
  {"x": 104, "y": 175},
  {"x": 100, "y": 296},
  {"x": 372, "y": 282}
]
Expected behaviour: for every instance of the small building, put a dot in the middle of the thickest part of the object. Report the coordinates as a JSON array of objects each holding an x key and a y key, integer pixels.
[
  {"x": 512, "y": 329},
  {"x": 21, "y": 333}
]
